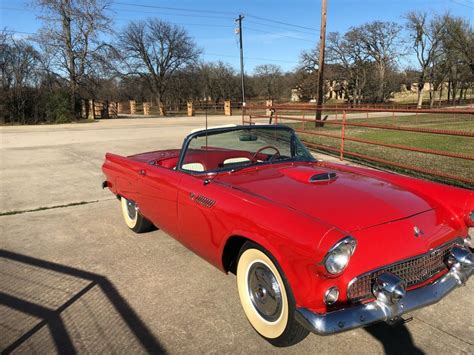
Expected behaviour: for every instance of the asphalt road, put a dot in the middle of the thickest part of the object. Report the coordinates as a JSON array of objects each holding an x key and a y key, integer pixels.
[{"x": 74, "y": 278}]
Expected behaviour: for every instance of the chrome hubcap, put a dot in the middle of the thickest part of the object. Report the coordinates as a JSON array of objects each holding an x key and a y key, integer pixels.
[
  {"x": 131, "y": 209},
  {"x": 264, "y": 292}
]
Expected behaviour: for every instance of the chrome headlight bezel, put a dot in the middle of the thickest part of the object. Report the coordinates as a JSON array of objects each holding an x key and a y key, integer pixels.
[
  {"x": 470, "y": 219},
  {"x": 338, "y": 257}
]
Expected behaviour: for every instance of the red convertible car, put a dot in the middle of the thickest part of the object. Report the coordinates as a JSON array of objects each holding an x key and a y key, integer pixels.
[{"x": 316, "y": 247}]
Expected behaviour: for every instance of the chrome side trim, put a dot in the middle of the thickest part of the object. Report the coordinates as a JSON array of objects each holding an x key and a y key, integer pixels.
[{"x": 462, "y": 267}]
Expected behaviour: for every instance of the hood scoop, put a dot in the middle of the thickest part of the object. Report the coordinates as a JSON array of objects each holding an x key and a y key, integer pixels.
[
  {"x": 309, "y": 175},
  {"x": 323, "y": 177}
]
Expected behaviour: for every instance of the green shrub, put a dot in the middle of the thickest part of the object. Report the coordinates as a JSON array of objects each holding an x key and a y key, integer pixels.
[{"x": 57, "y": 108}]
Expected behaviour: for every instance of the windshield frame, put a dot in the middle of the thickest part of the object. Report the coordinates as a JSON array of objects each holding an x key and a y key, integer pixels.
[{"x": 218, "y": 130}]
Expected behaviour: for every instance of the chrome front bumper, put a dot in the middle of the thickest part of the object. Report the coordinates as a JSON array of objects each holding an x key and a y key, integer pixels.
[{"x": 387, "y": 308}]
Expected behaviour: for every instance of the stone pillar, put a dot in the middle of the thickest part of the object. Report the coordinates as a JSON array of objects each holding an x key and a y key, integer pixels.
[
  {"x": 113, "y": 109},
  {"x": 119, "y": 108},
  {"x": 91, "y": 113},
  {"x": 83, "y": 109},
  {"x": 227, "y": 108},
  {"x": 146, "y": 109},
  {"x": 190, "y": 108},
  {"x": 162, "y": 109},
  {"x": 98, "y": 106},
  {"x": 133, "y": 107},
  {"x": 269, "y": 103}
]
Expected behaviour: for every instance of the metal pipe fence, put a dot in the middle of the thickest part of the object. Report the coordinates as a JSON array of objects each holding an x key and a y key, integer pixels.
[{"x": 372, "y": 135}]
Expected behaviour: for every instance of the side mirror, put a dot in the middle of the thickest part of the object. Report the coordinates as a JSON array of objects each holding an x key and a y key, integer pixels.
[{"x": 248, "y": 137}]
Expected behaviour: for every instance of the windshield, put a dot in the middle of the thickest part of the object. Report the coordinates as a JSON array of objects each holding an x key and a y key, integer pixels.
[{"x": 236, "y": 148}]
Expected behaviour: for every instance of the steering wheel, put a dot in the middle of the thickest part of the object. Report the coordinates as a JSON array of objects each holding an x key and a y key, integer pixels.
[{"x": 276, "y": 155}]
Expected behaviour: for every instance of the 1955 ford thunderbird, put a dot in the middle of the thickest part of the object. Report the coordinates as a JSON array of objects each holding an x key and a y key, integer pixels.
[{"x": 316, "y": 247}]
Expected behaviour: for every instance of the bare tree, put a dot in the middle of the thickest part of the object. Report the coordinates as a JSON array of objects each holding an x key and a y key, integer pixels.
[
  {"x": 379, "y": 41},
  {"x": 18, "y": 76},
  {"x": 347, "y": 52},
  {"x": 155, "y": 49},
  {"x": 70, "y": 36},
  {"x": 460, "y": 34},
  {"x": 426, "y": 39},
  {"x": 269, "y": 80}
]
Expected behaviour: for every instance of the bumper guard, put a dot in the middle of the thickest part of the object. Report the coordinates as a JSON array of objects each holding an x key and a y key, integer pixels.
[{"x": 390, "y": 303}]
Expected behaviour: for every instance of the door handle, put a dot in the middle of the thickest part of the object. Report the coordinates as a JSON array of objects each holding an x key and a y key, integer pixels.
[{"x": 142, "y": 172}]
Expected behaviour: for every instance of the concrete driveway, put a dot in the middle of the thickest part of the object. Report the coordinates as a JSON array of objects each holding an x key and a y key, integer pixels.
[{"x": 73, "y": 278}]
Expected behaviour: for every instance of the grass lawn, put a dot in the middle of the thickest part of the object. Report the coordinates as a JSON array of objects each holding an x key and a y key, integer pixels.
[{"x": 453, "y": 166}]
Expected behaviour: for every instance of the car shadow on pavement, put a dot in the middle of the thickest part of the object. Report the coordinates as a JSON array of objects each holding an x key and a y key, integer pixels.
[
  {"x": 45, "y": 305},
  {"x": 395, "y": 339}
]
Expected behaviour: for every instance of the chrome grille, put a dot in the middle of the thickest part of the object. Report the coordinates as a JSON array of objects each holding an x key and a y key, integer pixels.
[{"x": 414, "y": 271}]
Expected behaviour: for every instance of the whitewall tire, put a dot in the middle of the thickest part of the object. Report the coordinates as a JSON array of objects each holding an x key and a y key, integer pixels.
[
  {"x": 266, "y": 297},
  {"x": 133, "y": 218}
]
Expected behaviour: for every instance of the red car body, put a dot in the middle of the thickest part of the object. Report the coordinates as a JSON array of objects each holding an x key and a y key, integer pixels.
[{"x": 297, "y": 221}]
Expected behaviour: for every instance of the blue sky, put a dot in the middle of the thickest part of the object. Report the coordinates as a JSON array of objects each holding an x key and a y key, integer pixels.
[{"x": 212, "y": 26}]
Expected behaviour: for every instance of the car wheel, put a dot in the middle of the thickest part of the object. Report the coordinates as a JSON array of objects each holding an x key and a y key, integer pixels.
[
  {"x": 266, "y": 297},
  {"x": 133, "y": 218}
]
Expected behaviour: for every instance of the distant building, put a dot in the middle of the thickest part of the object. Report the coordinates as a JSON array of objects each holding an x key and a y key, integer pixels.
[{"x": 334, "y": 89}]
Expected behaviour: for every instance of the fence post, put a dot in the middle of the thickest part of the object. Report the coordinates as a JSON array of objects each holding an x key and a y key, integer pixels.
[
  {"x": 227, "y": 108},
  {"x": 162, "y": 109},
  {"x": 343, "y": 134},
  {"x": 91, "y": 115},
  {"x": 98, "y": 106},
  {"x": 83, "y": 109},
  {"x": 113, "y": 109},
  {"x": 119, "y": 108},
  {"x": 133, "y": 107},
  {"x": 190, "y": 107},
  {"x": 146, "y": 109},
  {"x": 104, "y": 109},
  {"x": 269, "y": 104}
]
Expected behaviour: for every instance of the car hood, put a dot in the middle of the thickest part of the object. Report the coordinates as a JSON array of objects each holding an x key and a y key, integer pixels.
[{"x": 347, "y": 200}]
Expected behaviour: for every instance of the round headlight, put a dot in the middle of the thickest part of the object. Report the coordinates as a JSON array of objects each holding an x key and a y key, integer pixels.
[{"x": 337, "y": 258}]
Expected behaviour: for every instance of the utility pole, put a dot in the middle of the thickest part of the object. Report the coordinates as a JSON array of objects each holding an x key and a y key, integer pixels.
[
  {"x": 322, "y": 46},
  {"x": 239, "y": 20}
]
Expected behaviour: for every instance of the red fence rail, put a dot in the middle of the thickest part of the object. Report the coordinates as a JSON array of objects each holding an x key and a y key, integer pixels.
[{"x": 304, "y": 115}]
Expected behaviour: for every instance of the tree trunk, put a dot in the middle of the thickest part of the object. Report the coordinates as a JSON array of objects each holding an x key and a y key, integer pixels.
[
  {"x": 419, "y": 102},
  {"x": 66, "y": 23},
  {"x": 449, "y": 91},
  {"x": 380, "y": 91},
  {"x": 440, "y": 94},
  {"x": 454, "y": 88},
  {"x": 160, "y": 104}
]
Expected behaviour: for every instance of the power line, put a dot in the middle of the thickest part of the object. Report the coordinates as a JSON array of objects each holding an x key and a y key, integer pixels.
[
  {"x": 20, "y": 32},
  {"x": 461, "y": 4},
  {"x": 189, "y": 24},
  {"x": 281, "y": 28},
  {"x": 279, "y": 34},
  {"x": 252, "y": 58},
  {"x": 283, "y": 23},
  {"x": 205, "y": 54},
  {"x": 201, "y": 16},
  {"x": 174, "y": 8},
  {"x": 215, "y": 12},
  {"x": 171, "y": 14},
  {"x": 130, "y": 19},
  {"x": 135, "y": 11}
]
